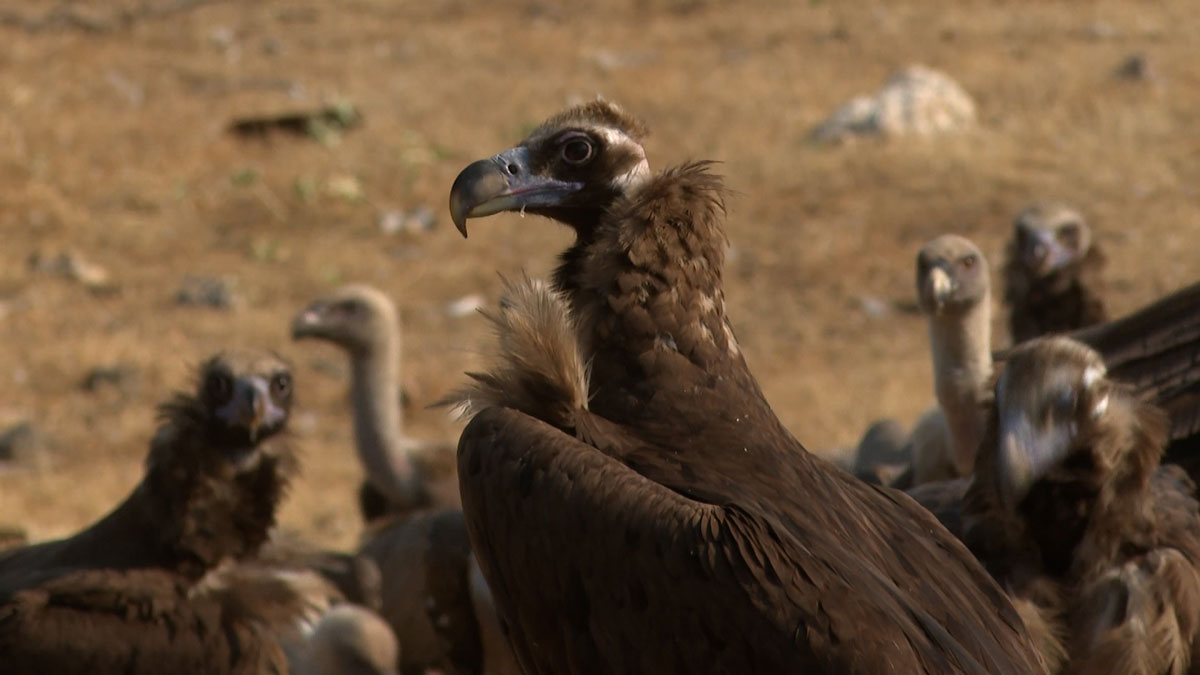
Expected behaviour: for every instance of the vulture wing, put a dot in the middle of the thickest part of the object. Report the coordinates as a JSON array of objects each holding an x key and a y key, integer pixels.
[
  {"x": 662, "y": 557},
  {"x": 130, "y": 622}
]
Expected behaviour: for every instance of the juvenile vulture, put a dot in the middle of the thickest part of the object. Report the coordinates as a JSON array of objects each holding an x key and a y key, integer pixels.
[
  {"x": 126, "y": 594},
  {"x": 402, "y": 475},
  {"x": 647, "y": 512},
  {"x": 1052, "y": 278},
  {"x": 431, "y": 593},
  {"x": 1071, "y": 512}
]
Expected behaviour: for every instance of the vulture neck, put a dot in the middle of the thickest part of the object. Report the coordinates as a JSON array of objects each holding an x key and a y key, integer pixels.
[
  {"x": 646, "y": 292},
  {"x": 962, "y": 370},
  {"x": 378, "y": 424}
]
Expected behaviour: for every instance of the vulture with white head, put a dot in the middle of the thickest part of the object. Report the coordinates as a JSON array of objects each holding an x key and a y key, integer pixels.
[
  {"x": 634, "y": 502},
  {"x": 1052, "y": 278},
  {"x": 430, "y": 590},
  {"x": 1071, "y": 512},
  {"x": 128, "y": 594}
]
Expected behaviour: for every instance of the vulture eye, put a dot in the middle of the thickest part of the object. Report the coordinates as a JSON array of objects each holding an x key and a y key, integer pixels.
[
  {"x": 281, "y": 385},
  {"x": 1064, "y": 402},
  {"x": 969, "y": 261},
  {"x": 577, "y": 151},
  {"x": 1069, "y": 234},
  {"x": 219, "y": 387}
]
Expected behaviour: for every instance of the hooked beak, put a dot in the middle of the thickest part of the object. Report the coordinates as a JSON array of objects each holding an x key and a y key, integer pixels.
[
  {"x": 1024, "y": 456},
  {"x": 504, "y": 182},
  {"x": 306, "y": 322},
  {"x": 251, "y": 408},
  {"x": 1043, "y": 253},
  {"x": 939, "y": 288}
]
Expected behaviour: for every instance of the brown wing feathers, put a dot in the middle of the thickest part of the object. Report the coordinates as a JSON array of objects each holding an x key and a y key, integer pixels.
[{"x": 676, "y": 526}]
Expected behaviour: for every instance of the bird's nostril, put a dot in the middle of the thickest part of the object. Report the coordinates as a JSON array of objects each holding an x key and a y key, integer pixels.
[{"x": 513, "y": 168}]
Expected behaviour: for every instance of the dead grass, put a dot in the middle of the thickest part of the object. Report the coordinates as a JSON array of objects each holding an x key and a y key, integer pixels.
[{"x": 113, "y": 144}]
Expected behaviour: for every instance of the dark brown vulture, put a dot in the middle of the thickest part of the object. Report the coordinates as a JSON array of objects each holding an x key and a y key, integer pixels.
[
  {"x": 635, "y": 504},
  {"x": 1052, "y": 278},
  {"x": 431, "y": 592},
  {"x": 1071, "y": 512},
  {"x": 129, "y": 594}
]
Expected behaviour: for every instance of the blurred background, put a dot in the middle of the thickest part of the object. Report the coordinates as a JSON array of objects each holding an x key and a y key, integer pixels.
[{"x": 180, "y": 176}]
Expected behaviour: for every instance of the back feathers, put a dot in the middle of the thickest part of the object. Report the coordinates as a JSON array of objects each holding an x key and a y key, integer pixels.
[{"x": 538, "y": 368}]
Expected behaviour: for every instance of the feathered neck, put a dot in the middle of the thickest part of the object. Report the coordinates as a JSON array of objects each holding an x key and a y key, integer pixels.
[{"x": 962, "y": 372}]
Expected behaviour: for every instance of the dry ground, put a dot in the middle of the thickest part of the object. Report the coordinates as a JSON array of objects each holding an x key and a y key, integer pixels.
[{"x": 113, "y": 145}]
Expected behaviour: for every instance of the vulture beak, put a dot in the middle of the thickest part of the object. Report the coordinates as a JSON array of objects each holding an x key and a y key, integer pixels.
[
  {"x": 1044, "y": 254},
  {"x": 306, "y": 322},
  {"x": 939, "y": 287},
  {"x": 251, "y": 408},
  {"x": 504, "y": 182},
  {"x": 1025, "y": 455}
]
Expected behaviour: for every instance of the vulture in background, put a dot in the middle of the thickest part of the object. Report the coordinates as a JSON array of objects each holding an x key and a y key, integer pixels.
[
  {"x": 1070, "y": 510},
  {"x": 1052, "y": 278},
  {"x": 402, "y": 475},
  {"x": 135, "y": 592},
  {"x": 431, "y": 591},
  {"x": 634, "y": 502},
  {"x": 349, "y": 640},
  {"x": 1155, "y": 350}
]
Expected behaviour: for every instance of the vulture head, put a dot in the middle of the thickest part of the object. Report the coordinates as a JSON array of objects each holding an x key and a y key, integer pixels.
[
  {"x": 952, "y": 276},
  {"x": 1051, "y": 402},
  {"x": 571, "y": 169},
  {"x": 1048, "y": 237},
  {"x": 357, "y": 318},
  {"x": 244, "y": 398}
]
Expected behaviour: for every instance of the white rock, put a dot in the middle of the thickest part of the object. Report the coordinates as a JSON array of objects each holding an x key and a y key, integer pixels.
[{"x": 915, "y": 101}]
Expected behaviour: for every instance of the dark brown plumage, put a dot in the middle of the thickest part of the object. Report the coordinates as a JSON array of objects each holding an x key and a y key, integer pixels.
[
  {"x": 1052, "y": 278},
  {"x": 122, "y": 595},
  {"x": 1071, "y": 512},
  {"x": 653, "y": 515}
]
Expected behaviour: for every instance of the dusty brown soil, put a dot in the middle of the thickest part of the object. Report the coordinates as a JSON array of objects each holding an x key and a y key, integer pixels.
[{"x": 113, "y": 144}]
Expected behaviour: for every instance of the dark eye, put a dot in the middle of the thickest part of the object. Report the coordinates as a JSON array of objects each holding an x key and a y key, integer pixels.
[
  {"x": 577, "y": 151},
  {"x": 969, "y": 261},
  {"x": 219, "y": 387},
  {"x": 281, "y": 385},
  {"x": 1069, "y": 234},
  {"x": 1064, "y": 402}
]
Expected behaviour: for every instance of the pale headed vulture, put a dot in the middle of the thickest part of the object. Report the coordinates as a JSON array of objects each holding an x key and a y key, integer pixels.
[{"x": 634, "y": 502}]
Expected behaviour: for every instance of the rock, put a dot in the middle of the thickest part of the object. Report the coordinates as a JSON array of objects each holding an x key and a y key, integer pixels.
[
  {"x": 205, "y": 291},
  {"x": 416, "y": 220},
  {"x": 1136, "y": 68},
  {"x": 21, "y": 442},
  {"x": 121, "y": 377},
  {"x": 916, "y": 101},
  {"x": 345, "y": 187},
  {"x": 71, "y": 265},
  {"x": 874, "y": 307},
  {"x": 468, "y": 304}
]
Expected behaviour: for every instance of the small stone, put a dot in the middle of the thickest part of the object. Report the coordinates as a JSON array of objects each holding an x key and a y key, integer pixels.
[
  {"x": 419, "y": 219},
  {"x": 874, "y": 307},
  {"x": 206, "y": 291},
  {"x": 345, "y": 187},
  {"x": 468, "y": 304},
  {"x": 21, "y": 442},
  {"x": 71, "y": 265},
  {"x": 1136, "y": 68},
  {"x": 121, "y": 377}
]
